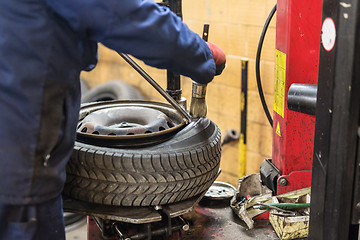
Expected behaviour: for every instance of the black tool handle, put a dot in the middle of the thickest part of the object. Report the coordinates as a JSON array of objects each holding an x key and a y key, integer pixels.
[{"x": 205, "y": 35}]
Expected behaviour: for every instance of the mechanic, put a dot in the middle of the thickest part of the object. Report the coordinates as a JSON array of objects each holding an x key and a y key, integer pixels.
[{"x": 44, "y": 44}]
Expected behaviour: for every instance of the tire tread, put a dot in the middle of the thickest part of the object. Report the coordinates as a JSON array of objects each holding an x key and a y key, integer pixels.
[{"x": 142, "y": 179}]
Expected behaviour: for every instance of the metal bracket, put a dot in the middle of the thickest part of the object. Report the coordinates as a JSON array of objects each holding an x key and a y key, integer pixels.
[
  {"x": 135, "y": 215},
  {"x": 269, "y": 175}
]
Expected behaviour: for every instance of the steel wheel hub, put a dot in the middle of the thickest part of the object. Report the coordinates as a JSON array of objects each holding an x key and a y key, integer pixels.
[
  {"x": 121, "y": 121},
  {"x": 127, "y": 123}
]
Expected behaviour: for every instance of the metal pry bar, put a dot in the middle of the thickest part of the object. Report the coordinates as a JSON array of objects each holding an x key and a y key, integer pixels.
[{"x": 158, "y": 88}]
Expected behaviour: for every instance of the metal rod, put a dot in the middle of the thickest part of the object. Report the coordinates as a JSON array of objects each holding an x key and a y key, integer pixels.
[
  {"x": 141, "y": 71},
  {"x": 173, "y": 85},
  {"x": 173, "y": 80},
  {"x": 302, "y": 98},
  {"x": 148, "y": 230},
  {"x": 119, "y": 233}
]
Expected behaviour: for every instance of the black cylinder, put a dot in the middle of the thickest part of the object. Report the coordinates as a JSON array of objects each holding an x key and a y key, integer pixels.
[
  {"x": 302, "y": 98},
  {"x": 173, "y": 80}
]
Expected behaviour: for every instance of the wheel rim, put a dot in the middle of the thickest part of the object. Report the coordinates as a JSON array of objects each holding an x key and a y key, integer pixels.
[{"x": 127, "y": 123}]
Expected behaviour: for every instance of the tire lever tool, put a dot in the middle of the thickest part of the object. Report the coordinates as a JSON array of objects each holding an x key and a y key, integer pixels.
[
  {"x": 198, "y": 106},
  {"x": 132, "y": 63}
]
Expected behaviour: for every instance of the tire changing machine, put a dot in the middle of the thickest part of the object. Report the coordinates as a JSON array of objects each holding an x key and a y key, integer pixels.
[{"x": 316, "y": 112}]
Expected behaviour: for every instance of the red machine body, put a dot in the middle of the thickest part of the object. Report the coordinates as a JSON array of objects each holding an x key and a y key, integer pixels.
[{"x": 298, "y": 27}]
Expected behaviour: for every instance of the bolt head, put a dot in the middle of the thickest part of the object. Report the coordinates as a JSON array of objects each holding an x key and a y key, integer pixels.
[
  {"x": 283, "y": 182},
  {"x": 186, "y": 227}
]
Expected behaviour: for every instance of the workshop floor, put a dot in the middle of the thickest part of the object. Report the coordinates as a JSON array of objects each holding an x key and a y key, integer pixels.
[{"x": 79, "y": 233}]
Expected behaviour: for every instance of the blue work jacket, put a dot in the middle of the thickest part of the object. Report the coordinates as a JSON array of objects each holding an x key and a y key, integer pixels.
[{"x": 44, "y": 45}]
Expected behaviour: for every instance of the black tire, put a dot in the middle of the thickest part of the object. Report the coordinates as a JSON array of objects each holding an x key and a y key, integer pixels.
[
  {"x": 112, "y": 90},
  {"x": 175, "y": 170}
]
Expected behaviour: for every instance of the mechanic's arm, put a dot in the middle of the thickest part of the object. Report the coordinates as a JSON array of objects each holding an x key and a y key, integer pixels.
[{"x": 143, "y": 29}]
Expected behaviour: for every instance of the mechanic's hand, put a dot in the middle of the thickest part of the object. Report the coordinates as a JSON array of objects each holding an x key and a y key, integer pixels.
[{"x": 219, "y": 57}]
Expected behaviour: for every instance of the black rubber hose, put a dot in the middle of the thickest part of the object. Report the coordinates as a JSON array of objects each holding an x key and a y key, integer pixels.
[{"x": 257, "y": 65}]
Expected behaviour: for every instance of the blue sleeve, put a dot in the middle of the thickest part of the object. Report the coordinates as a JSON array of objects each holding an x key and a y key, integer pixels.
[{"x": 143, "y": 29}]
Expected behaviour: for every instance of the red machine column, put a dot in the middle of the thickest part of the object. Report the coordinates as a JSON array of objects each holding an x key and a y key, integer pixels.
[{"x": 298, "y": 27}]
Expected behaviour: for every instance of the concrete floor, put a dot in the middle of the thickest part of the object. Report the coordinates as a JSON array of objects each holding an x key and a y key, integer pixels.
[{"x": 77, "y": 233}]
